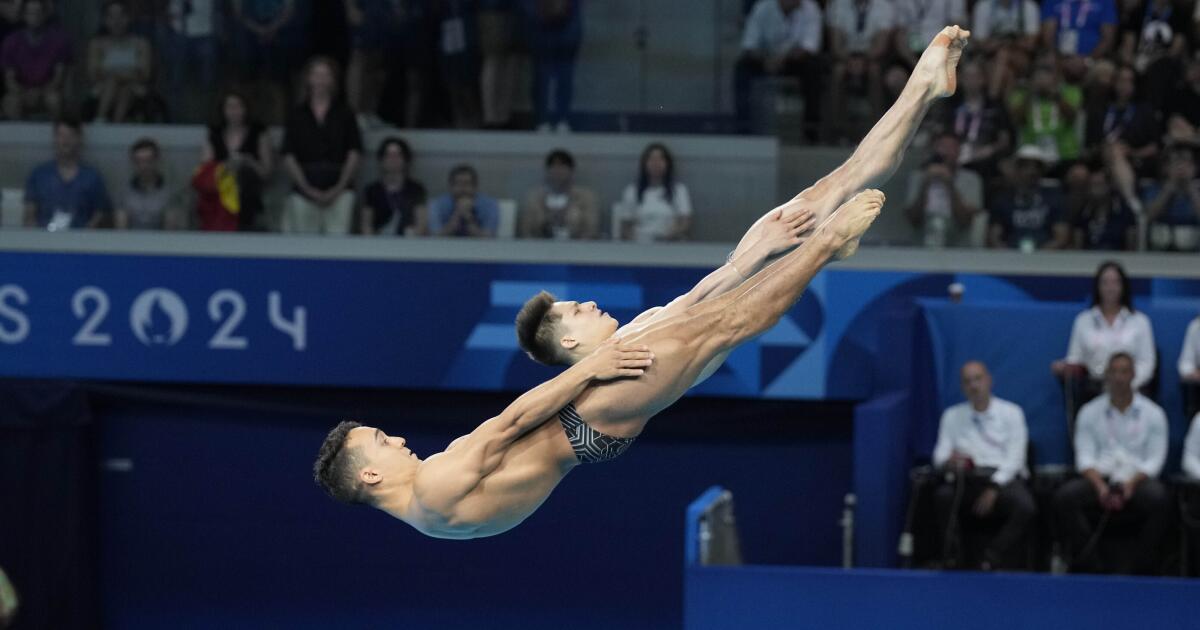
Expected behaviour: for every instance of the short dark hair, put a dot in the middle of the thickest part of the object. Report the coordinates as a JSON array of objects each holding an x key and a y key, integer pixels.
[
  {"x": 336, "y": 468},
  {"x": 463, "y": 169},
  {"x": 145, "y": 143},
  {"x": 395, "y": 141},
  {"x": 1126, "y": 291},
  {"x": 536, "y": 329},
  {"x": 70, "y": 122},
  {"x": 1121, "y": 355},
  {"x": 560, "y": 156}
]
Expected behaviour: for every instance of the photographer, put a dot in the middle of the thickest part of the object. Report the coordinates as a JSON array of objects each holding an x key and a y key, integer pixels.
[{"x": 944, "y": 199}]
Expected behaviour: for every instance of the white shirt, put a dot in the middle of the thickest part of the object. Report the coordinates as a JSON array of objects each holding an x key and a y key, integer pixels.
[
  {"x": 844, "y": 17},
  {"x": 655, "y": 217},
  {"x": 1191, "y": 450},
  {"x": 1120, "y": 445},
  {"x": 770, "y": 32},
  {"x": 195, "y": 23},
  {"x": 924, "y": 19},
  {"x": 1093, "y": 341},
  {"x": 993, "y": 438},
  {"x": 995, "y": 19},
  {"x": 1189, "y": 356}
]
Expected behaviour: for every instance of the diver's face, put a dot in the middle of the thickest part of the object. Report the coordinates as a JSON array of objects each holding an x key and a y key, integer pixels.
[
  {"x": 583, "y": 326},
  {"x": 383, "y": 455}
]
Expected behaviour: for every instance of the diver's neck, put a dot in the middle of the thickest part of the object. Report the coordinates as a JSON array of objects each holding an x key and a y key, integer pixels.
[{"x": 396, "y": 498}]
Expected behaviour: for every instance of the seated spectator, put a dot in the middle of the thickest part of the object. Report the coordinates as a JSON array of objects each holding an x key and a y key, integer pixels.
[
  {"x": 1104, "y": 221},
  {"x": 979, "y": 122},
  {"x": 458, "y": 60},
  {"x": 261, "y": 30},
  {"x": 464, "y": 211},
  {"x": 1120, "y": 448},
  {"x": 1153, "y": 39},
  {"x": 239, "y": 142},
  {"x": 1125, "y": 132},
  {"x": 151, "y": 202},
  {"x": 1029, "y": 215},
  {"x": 187, "y": 42},
  {"x": 1109, "y": 327},
  {"x": 1044, "y": 115},
  {"x": 1183, "y": 107},
  {"x": 1173, "y": 203},
  {"x": 656, "y": 208},
  {"x": 322, "y": 147},
  {"x": 118, "y": 65},
  {"x": 1189, "y": 355},
  {"x": 781, "y": 37},
  {"x": 555, "y": 32},
  {"x": 1191, "y": 450},
  {"x": 860, "y": 37},
  {"x": 1085, "y": 28},
  {"x": 34, "y": 60},
  {"x": 373, "y": 25},
  {"x": 984, "y": 438},
  {"x": 944, "y": 199},
  {"x": 395, "y": 205},
  {"x": 558, "y": 208},
  {"x": 65, "y": 193}
]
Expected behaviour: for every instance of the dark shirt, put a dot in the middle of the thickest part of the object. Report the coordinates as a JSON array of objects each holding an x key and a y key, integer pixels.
[
  {"x": 1027, "y": 215},
  {"x": 1185, "y": 103},
  {"x": 387, "y": 204},
  {"x": 80, "y": 199},
  {"x": 1179, "y": 209},
  {"x": 1154, "y": 29},
  {"x": 216, "y": 137},
  {"x": 1134, "y": 124},
  {"x": 1105, "y": 229},
  {"x": 250, "y": 183},
  {"x": 34, "y": 62},
  {"x": 321, "y": 148},
  {"x": 976, "y": 128}
]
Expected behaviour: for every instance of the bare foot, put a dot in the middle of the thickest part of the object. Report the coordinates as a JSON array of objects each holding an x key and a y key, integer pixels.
[
  {"x": 850, "y": 221},
  {"x": 938, "y": 65}
]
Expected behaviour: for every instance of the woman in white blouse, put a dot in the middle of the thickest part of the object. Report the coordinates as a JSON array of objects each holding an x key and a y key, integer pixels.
[
  {"x": 1189, "y": 356},
  {"x": 1111, "y": 325},
  {"x": 656, "y": 208}
]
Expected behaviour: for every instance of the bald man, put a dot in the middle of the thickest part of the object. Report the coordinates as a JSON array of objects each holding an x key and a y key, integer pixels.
[{"x": 982, "y": 442}]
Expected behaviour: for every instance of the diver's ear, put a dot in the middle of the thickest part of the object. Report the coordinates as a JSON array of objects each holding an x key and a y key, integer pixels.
[
  {"x": 370, "y": 476},
  {"x": 569, "y": 342}
]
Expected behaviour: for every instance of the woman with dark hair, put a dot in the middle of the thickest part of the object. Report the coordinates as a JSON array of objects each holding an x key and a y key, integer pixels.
[
  {"x": 656, "y": 208},
  {"x": 118, "y": 64},
  {"x": 237, "y": 140},
  {"x": 395, "y": 205},
  {"x": 1111, "y": 325},
  {"x": 322, "y": 146}
]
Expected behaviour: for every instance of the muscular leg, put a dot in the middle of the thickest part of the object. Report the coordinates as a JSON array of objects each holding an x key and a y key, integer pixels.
[{"x": 880, "y": 152}]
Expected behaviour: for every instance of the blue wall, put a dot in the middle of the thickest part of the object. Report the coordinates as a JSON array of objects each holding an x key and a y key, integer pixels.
[{"x": 218, "y": 520}]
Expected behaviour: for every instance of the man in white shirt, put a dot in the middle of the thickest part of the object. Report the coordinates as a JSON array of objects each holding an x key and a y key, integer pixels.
[
  {"x": 1189, "y": 356},
  {"x": 984, "y": 440},
  {"x": 1191, "y": 450},
  {"x": 860, "y": 33},
  {"x": 781, "y": 38},
  {"x": 1120, "y": 448}
]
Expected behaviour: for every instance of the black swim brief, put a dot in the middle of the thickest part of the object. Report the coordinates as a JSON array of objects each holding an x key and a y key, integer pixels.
[{"x": 590, "y": 445}]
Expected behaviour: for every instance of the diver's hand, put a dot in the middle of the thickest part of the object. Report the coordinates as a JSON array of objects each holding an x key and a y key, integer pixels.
[{"x": 613, "y": 360}]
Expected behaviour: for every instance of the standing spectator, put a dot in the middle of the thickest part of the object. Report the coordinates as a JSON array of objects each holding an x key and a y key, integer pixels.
[
  {"x": 1173, "y": 203},
  {"x": 395, "y": 205},
  {"x": 374, "y": 24},
  {"x": 1045, "y": 115},
  {"x": 979, "y": 122},
  {"x": 782, "y": 37},
  {"x": 944, "y": 199},
  {"x": 1006, "y": 32},
  {"x": 656, "y": 208},
  {"x": 555, "y": 33},
  {"x": 463, "y": 211},
  {"x": 1125, "y": 132},
  {"x": 188, "y": 45},
  {"x": 322, "y": 147},
  {"x": 1191, "y": 450},
  {"x": 860, "y": 34},
  {"x": 10, "y": 22},
  {"x": 1183, "y": 107},
  {"x": 1189, "y": 355},
  {"x": 558, "y": 208},
  {"x": 118, "y": 65},
  {"x": 985, "y": 438},
  {"x": 65, "y": 193},
  {"x": 241, "y": 143},
  {"x": 1109, "y": 327},
  {"x": 1154, "y": 40},
  {"x": 1030, "y": 215},
  {"x": 498, "y": 77},
  {"x": 1086, "y": 28},
  {"x": 1120, "y": 448},
  {"x": 151, "y": 202},
  {"x": 34, "y": 60},
  {"x": 458, "y": 46},
  {"x": 1104, "y": 221},
  {"x": 262, "y": 50},
  {"x": 410, "y": 59}
]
